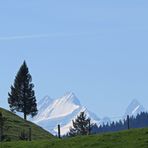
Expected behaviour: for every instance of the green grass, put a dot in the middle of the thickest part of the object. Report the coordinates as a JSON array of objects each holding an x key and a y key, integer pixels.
[
  {"x": 17, "y": 124},
  {"x": 134, "y": 138}
]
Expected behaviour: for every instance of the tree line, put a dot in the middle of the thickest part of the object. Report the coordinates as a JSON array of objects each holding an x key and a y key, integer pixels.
[
  {"x": 82, "y": 126},
  {"x": 139, "y": 121}
]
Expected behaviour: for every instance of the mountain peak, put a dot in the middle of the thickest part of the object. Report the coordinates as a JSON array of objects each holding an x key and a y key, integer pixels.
[
  {"x": 70, "y": 94},
  {"x": 61, "y": 111},
  {"x": 135, "y": 101},
  {"x": 71, "y": 98},
  {"x": 134, "y": 108}
]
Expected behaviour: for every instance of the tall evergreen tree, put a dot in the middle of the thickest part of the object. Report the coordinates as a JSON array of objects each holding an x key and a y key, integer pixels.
[
  {"x": 81, "y": 125},
  {"x": 22, "y": 97}
]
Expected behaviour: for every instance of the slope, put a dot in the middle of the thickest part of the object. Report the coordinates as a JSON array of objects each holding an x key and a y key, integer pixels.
[
  {"x": 15, "y": 124},
  {"x": 136, "y": 138}
]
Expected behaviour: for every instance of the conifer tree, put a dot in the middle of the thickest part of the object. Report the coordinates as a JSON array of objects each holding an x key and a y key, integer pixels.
[
  {"x": 81, "y": 125},
  {"x": 22, "y": 96}
]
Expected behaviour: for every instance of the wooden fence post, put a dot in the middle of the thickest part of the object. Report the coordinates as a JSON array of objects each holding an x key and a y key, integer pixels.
[
  {"x": 89, "y": 128},
  {"x": 59, "y": 132},
  {"x": 30, "y": 133},
  {"x": 128, "y": 127},
  {"x": 1, "y": 127}
]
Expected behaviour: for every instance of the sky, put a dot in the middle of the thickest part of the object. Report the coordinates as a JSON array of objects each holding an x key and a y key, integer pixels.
[{"x": 97, "y": 49}]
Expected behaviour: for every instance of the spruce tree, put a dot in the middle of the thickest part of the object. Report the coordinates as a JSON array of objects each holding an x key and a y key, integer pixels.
[
  {"x": 22, "y": 96},
  {"x": 81, "y": 125}
]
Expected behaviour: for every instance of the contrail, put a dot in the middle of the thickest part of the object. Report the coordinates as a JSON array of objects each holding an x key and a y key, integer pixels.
[
  {"x": 24, "y": 37},
  {"x": 7, "y": 38}
]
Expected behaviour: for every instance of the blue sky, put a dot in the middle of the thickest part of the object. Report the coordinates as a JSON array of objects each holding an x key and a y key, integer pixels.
[{"x": 97, "y": 49}]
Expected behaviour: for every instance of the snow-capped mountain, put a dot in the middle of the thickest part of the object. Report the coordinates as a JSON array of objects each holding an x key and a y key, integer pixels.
[
  {"x": 134, "y": 108},
  {"x": 61, "y": 111},
  {"x": 66, "y": 108}
]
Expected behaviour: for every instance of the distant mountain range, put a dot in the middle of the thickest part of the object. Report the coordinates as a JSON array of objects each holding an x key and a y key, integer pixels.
[{"x": 66, "y": 108}]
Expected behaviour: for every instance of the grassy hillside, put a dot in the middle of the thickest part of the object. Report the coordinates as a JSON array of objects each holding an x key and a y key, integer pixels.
[
  {"x": 137, "y": 138},
  {"x": 15, "y": 125}
]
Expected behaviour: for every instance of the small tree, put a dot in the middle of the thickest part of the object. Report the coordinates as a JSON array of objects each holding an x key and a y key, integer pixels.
[
  {"x": 81, "y": 125},
  {"x": 22, "y": 97}
]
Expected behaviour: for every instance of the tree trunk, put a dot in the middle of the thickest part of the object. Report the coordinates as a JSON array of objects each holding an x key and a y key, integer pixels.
[{"x": 25, "y": 116}]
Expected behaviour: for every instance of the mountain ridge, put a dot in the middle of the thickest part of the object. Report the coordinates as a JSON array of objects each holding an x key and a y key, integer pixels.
[
  {"x": 61, "y": 111},
  {"x": 66, "y": 108}
]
